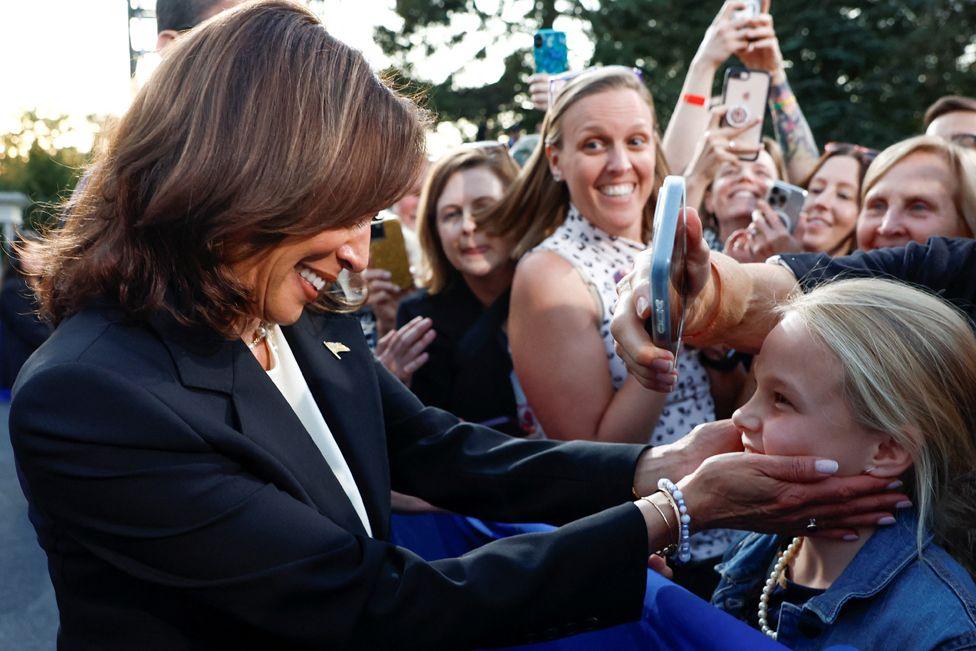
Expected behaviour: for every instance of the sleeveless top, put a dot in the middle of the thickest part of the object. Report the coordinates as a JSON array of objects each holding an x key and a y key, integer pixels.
[{"x": 602, "y": 260}]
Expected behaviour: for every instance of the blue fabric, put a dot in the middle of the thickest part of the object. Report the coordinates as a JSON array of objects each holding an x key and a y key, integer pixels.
[
  {"x": 673, "y": 618},
  {"x": 886, "y": 598}
]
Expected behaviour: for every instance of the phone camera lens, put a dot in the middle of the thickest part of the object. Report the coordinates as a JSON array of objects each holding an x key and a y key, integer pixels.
[{"x": 538, "y": 41}]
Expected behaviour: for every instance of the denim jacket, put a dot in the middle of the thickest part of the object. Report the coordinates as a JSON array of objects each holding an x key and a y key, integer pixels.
[{"x": 887, "y": 598}]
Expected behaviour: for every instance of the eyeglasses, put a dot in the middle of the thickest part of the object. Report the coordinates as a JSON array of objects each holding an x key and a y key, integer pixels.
[
  {"x": 558, "y": 82},
  {"x": 864, "y": 154},
  {"x": 964, "y": 139}
]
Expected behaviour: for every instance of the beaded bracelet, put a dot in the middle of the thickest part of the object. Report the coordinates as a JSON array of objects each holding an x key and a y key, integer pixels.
[{"x": 677, "y": 499}]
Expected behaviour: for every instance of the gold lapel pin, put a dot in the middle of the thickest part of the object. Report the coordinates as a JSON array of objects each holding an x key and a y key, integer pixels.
[{"x": 336, "y": 347}]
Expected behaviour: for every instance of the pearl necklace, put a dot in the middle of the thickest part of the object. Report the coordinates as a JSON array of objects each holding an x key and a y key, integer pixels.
[
  {"x": 260, "y": 334},
  {"x": 784, "y": 560}
]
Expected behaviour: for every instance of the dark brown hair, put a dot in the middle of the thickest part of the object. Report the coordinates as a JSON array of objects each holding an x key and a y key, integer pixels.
[
  {"x": 437, "y": 271},
  {"x": 948, "y": 104},
  {"x": 259, "y": 126}
]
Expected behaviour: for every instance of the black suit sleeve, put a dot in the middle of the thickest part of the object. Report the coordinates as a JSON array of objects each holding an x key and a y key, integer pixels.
[
  {"x": 124, "y": 474},
  {"x": 478, "y": 471},
  {"x": 941, "y": 265}
]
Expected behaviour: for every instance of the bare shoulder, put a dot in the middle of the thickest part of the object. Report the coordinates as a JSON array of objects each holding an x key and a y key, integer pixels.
[{"x": 545, "y": 280}]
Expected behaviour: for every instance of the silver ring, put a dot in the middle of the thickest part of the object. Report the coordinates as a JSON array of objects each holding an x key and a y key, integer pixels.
[{"x": 812, "y": 525}]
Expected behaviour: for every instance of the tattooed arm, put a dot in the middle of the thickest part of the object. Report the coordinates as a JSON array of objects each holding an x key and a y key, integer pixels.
[{"x": 792, "y": 131}]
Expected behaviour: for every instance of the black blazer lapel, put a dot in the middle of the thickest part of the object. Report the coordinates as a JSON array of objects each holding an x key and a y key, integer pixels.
[
  {"x": 205, "y": 360},
  {"x": 345, "y": 389},
  {"x": 269, "y": 421}
]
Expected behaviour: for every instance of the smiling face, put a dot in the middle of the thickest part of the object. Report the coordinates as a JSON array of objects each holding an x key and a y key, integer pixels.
[
  {"x": 798, "y": 407},
  {"x": 737, "y": 188},
  {"x": 286, "y": 278},
  {"x": 830, "y": 211},
  {"x": 911, "y": 203},
  {"x": 606, "y": 157},
  {"x": 471, "y": 251}
]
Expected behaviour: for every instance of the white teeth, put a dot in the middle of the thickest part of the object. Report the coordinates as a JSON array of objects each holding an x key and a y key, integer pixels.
[
  {"x": 311, "y": 277},
  {"x": 620, "y": 190}
]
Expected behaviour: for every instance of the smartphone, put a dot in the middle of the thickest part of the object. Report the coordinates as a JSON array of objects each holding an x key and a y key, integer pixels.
[
  {"x": 387, "y": 250},
  {"x": 551, "y": 56},
  {"x": 753, "y": 8},
  {"x": 787, "y": 200},
  {"x": 744, "y": 94},
  {"x": 668, "y": 287}
]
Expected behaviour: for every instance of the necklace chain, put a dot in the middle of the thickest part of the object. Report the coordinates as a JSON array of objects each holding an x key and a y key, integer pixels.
[
  {"x": 779, "y": 570},
  {"x": 260, "y": 334}
]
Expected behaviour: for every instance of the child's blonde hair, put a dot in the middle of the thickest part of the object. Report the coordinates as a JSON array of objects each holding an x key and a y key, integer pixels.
[{"x": 909, "y": 361}]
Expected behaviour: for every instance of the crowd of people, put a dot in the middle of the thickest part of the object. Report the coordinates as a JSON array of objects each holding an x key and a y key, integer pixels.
[{"x": 224, "y": 442}]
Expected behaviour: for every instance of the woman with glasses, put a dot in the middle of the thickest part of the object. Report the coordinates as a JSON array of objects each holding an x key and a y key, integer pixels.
[{"x": 464, "y": 366}]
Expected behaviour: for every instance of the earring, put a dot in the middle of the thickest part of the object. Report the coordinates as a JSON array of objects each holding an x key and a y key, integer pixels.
[{"x": 556, "y": 176}]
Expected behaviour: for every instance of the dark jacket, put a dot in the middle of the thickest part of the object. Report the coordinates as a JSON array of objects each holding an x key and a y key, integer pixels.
[
  {"x": 182, "y": 504},
  {"x": 469, "y": 368},
  {"x": 21, "y": 331}
]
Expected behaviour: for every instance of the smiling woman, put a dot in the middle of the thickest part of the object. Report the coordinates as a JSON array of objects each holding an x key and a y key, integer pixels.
[
  {"x": 916, "y": 189},
  {"x": 580, "y": 212}
]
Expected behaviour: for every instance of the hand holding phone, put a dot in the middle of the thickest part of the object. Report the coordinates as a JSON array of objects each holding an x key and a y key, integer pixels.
[
  {"x": 667, "y": 287},
  {"x": 744, "y": 94},
  {"x": 551, "y": 55},
  {"x": 787, "y": 200},
  {"x": 752, "y": 9}
]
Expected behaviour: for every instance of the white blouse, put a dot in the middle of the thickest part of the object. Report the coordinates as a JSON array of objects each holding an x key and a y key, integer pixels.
[{"x": 287, "y": 376}]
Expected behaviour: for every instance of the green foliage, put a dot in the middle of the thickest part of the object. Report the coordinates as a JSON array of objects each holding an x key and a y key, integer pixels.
[
  {"x": 32, "y": 163},
  {"x": 863, "y": 72}
]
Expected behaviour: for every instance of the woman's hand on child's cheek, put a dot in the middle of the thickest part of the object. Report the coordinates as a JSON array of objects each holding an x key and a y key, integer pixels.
[{"x": 780, "y": 494}]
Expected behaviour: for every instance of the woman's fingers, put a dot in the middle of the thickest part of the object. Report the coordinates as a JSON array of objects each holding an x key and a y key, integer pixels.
[
  {"x": 728, "y": 10},
  {"x": 659, "y": 565},
  {"x": 377, "y": 286},
  {"x": 755, "y": 46},
  {"x": 376, "y": 274},
  {"x": 420, "y": 345},
  {"x": 410, "y": 334},
  {"x": 412, "y": 366},
  {"x": 716, "y": 114}
]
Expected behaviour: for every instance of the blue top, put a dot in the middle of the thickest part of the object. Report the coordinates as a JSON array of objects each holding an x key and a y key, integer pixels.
[{"x": 887, "y": 598}]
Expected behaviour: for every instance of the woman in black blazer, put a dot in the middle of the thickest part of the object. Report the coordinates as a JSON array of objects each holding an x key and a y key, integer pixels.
[
  {"x": 467, "y": 277},
  {"x": 208, "y": 459}
]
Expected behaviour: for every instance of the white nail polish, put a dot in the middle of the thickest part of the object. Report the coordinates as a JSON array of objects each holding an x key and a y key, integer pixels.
[{"x": 826, "y": 466}]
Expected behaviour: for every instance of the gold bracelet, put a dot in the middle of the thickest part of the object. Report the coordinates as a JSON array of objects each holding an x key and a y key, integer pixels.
[
  {"x": 671, "y": 547},
  {"x": 677, "y": 511}
]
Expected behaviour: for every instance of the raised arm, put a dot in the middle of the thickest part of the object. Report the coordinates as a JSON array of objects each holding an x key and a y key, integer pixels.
[
  {"x": 690, "y": 117},
  {"x": 790, "y": 126}
]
